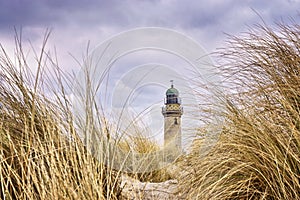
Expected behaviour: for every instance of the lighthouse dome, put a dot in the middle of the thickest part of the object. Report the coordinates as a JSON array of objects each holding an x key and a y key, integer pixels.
[{"x": 172, "y": 91}]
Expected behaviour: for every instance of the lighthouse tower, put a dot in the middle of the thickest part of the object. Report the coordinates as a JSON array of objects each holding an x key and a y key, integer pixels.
[{"x": 172, "y": 112}]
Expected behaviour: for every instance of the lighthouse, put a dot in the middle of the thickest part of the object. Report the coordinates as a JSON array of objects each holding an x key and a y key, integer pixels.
[{"x": 172, "y": 112}]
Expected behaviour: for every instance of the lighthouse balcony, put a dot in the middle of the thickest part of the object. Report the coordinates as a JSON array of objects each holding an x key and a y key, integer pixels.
[{"x": 172, "y": 110}]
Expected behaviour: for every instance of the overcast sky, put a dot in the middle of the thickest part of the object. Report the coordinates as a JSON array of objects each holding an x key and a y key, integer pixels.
[{"x": 74, "y": 23}]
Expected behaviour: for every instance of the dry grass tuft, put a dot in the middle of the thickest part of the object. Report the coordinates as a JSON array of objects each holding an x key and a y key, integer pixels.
[
  {"x": 257, "y": 156},
  {"x": 42, "y": 156},
  {"x": 143, "y": 145}
]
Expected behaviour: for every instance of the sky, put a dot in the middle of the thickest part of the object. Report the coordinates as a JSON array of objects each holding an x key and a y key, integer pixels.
[{"x": 74, "y": 24}]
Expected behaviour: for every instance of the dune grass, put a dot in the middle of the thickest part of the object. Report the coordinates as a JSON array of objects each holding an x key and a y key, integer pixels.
[
  {"x": 42, "y": 157},
  {"x": 258, "y": 153},
  {"x": 143, "y": 145}
]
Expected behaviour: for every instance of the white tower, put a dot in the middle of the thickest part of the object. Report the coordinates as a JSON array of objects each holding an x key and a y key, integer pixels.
[{"x": 172, "y": 112}]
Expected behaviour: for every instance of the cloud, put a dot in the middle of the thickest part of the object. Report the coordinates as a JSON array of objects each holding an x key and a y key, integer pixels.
[
  {"x": 74, "y": 22},
  {"x": 90, "y": 15}
]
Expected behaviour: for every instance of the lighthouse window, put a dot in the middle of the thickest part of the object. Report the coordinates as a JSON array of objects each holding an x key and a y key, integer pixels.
[
  {"x": 175, "y": 121},
  {"x": 172, "y": 98}
]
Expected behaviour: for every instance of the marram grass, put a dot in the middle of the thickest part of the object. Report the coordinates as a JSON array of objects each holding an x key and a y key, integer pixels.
[
  {"x": 258, "y": 153},
  {"x": 41, "y": 154}
]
